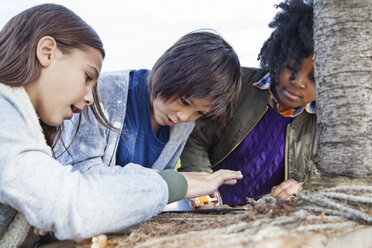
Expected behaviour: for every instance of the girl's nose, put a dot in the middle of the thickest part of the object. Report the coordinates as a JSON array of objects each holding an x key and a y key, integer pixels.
[
  {"x": 88, "y": 98},
  {"x": 300, "y": 81}
]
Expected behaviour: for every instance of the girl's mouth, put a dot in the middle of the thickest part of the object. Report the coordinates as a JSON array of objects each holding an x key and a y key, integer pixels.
[
  {"x": 291, "y": 95},
  {"x": 75, "y": 110}
]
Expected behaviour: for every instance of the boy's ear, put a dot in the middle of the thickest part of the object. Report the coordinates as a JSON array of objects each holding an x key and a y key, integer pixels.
[{"x": 46, "y": 50}]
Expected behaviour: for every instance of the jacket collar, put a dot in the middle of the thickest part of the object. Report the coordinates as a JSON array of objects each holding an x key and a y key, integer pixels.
[{"x": 265, "y": 84}]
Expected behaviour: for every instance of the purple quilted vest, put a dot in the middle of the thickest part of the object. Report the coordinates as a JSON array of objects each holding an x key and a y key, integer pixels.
[{"x": 260, "y": 157}]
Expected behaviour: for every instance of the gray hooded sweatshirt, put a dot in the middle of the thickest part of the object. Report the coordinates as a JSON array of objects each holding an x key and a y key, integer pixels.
[
  {"x": 74, "y": 205},
  {"x": 95, "y": 145}
]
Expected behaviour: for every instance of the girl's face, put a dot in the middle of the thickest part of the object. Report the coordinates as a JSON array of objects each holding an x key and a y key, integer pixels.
[
  {"x": 300, "y": 91},
  {"x": 179, "y": 110},
  {"x": 65, "y": 84}
]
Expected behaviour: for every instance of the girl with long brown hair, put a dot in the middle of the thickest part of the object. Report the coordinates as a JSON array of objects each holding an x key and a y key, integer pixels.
[{"x": 50, "y": 60}]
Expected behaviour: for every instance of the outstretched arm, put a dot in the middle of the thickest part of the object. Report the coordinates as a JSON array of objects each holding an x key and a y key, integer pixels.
[{"x": 202, "y": 183}]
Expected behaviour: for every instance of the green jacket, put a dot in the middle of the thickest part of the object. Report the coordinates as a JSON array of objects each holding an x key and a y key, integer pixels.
[{"x": 205, "y": 148}]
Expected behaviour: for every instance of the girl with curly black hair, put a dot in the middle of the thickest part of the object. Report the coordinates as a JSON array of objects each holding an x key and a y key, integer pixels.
[{"x": 270, "y": 137}]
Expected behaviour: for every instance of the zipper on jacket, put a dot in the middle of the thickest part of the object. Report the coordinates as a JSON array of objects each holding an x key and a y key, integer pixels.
[
  {"x": 286, "y": 154},
  {"x": 240, "y": 141}
]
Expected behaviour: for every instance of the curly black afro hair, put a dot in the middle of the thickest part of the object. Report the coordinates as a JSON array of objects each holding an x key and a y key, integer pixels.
[{"x": 292, "y": 38}]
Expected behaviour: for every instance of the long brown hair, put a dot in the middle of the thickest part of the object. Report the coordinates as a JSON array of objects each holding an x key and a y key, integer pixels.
[{"x": 18, "y": 41}]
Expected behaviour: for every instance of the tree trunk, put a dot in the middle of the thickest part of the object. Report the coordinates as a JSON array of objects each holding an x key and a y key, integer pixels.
[{"x": 343, "y": 72}]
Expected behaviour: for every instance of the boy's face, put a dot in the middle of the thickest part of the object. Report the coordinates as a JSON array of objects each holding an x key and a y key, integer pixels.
[
  {"x": 179, "y": 110},
  {"x": 292, "y": 94}
]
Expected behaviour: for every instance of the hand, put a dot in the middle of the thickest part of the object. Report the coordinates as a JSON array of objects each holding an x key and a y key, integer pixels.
[
  {"x": 286, "y": 189},
  {"x": 40, "y": 232},
  {"x": 202, "y": 183}
]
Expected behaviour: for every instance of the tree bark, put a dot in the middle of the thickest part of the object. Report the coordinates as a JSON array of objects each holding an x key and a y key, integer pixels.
[{"x": 343, "y": 72}]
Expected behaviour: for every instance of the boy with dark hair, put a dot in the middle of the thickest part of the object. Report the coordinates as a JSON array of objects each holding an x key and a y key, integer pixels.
[
  {"x": 199, "y": 65},
  {"x": 153, "y": 112},
  {"x": 270, "y": 137}
]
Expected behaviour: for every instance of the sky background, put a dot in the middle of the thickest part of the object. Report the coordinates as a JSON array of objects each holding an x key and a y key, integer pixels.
[{"x": 135, "y": 33}]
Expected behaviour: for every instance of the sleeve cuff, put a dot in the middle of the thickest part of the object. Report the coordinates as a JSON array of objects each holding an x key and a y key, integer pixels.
[{"x": 177, "y": 185}]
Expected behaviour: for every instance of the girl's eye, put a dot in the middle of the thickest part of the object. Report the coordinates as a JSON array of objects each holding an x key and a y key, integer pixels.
[
  {"x": 290, "y": 67},
  {"x": 184, "y": 102},
  {"x": 88, "y": 78},
  {"x": 311, "y": 77}
]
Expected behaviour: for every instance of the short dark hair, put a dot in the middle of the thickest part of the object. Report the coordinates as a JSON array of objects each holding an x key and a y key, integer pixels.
[
  {"x": 199, "y": 65},
  {"x": 292, "y": 38}
]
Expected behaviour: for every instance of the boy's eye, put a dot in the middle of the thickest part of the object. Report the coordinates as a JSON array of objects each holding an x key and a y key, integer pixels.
[{"x": 184, "y": 102}]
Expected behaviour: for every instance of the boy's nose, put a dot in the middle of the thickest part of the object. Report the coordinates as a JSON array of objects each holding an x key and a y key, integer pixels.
[{"x": 185, "y": 116}]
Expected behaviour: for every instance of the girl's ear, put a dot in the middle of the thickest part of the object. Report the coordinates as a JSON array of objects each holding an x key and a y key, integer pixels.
[{"x": 46, "y": 50}]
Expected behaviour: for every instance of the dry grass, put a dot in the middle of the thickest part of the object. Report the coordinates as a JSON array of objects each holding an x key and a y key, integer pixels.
[{"x": 263, "y": 223}]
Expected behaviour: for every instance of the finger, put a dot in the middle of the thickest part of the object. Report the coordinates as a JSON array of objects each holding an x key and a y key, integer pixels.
[
  {"x": 227, "y": 174},
  {"x": 232, "y": 175},
  {"x": 287, "y": 193},
  {"x": 218, "y": 172},
  {"x": 229, "y": 178},
  {"x": 301, "y": 185},
  {"x": 37, "y": 231},
  {"x": 276, "y": 190},
  {"x": 230, "y": 182},
  {"x": 273, "y": 190},
  {"x": 283, "y": 186},
  {"x": 284, "y": 197}
]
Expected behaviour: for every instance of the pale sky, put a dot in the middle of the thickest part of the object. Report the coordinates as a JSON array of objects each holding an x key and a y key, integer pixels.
[{"x": 135, "y": 33}]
